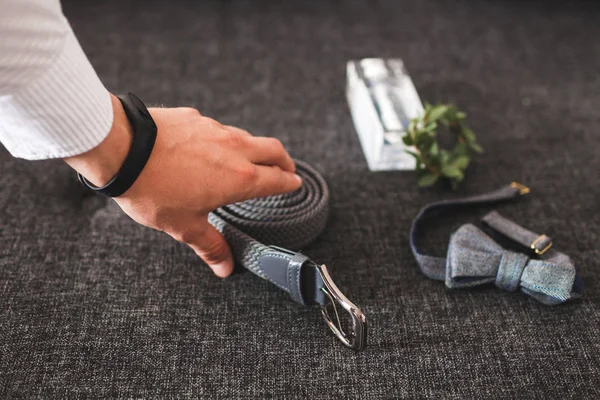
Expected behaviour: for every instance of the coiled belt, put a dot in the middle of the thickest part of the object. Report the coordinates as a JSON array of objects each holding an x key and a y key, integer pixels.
[{"x": 260, "y": 232}]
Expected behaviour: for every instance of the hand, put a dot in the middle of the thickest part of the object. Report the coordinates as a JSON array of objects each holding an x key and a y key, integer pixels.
[{"x": 196, "y": 166}]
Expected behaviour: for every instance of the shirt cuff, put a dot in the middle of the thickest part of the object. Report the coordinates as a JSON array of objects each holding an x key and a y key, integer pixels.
[{"x": 63, "y": 112}]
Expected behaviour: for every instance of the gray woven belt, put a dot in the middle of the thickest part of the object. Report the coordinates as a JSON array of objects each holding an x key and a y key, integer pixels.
[{"x": 259, "y": 232}]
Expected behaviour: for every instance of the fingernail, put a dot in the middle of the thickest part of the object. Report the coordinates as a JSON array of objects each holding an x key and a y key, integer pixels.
[
  {"x": 298, "y": 178},
  {"x": 222, "y": 269}
]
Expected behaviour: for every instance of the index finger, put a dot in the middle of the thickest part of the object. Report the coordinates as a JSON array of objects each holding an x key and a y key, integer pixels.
[{"x": 272, "y": 180}]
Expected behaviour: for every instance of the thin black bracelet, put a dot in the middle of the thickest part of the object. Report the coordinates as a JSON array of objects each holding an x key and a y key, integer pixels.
[{"x": 144, "y": 136}]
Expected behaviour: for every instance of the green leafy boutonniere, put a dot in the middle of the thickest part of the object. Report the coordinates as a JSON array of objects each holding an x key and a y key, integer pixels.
[{"x": 432, "y": 161}]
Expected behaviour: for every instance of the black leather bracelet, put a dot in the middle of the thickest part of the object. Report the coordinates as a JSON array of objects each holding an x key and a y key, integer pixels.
[{"x": 144, "y": 136}]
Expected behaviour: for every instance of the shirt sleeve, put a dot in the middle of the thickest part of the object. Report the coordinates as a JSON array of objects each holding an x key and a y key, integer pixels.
[{"x": 52, "y": 103}]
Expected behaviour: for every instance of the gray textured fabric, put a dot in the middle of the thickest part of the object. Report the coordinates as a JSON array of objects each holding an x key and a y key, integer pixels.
[
  {"x": 474, "y": 259},
  {"x": 93, "y": 305}
]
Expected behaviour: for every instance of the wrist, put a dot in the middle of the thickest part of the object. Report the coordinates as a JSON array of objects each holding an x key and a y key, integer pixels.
[{"x": 100, "y": 164}]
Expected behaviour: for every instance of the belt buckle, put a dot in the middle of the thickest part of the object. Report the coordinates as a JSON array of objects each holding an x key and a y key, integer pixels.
[
  {"x": 523, "y": 190},
  {"x": 541, "y": 238},
  {"x": 357, "y": 338}
]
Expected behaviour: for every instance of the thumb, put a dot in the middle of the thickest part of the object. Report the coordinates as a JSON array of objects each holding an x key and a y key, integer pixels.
[{"x": 212, "y": 247}]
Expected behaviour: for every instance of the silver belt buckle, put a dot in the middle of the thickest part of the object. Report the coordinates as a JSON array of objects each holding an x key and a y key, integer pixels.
[{"x": 356, "y": 339}]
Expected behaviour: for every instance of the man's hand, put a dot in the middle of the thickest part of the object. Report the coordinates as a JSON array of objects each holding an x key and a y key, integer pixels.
[{"x": 197, "y": 165}]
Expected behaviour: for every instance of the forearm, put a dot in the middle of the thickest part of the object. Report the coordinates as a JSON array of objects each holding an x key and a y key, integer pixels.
[
  {"x": 52, "y": 104},
  {"x": 100, "y": 164}
]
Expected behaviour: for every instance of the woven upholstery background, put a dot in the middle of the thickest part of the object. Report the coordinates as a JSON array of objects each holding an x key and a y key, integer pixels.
[{"x": 93, "y": 305}]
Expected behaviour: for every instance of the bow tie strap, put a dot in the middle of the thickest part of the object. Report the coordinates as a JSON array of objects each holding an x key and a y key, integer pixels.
[
  {"x": 540, "y": 244},
  {"x": 435, "y": 267}
]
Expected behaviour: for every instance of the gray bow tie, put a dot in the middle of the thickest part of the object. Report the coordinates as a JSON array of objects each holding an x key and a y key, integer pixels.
[{"x": 475, "y": 259}]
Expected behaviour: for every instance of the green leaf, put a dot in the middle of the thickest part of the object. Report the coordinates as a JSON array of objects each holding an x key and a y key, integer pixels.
[
  {"x": 476, "y": 148},
  {"x": 460, "y": 162},
  {"x": 461, "y": 115},
  {"x": 445, "y": 157},
  {"x": 424, "y": 140},
  {"x": 437, "y": 112},
  {"x": 430, "y": 127},
  {"x": 468, "y": 134},
  {"x": 428, "y": 180},
  {"x": 460, "y": 150},
  {"x": 418, "y": 160},
  {"x": 412, "y": 153},
  {"x": 451, "y": 171},
  {"x": 434, "y": 149},
  {"x": 407, "y": 139},
  {"x": 412, "y": 125}
]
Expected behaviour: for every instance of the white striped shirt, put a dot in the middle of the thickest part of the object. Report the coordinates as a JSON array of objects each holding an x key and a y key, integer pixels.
[{"x": 52, "y": 104}]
